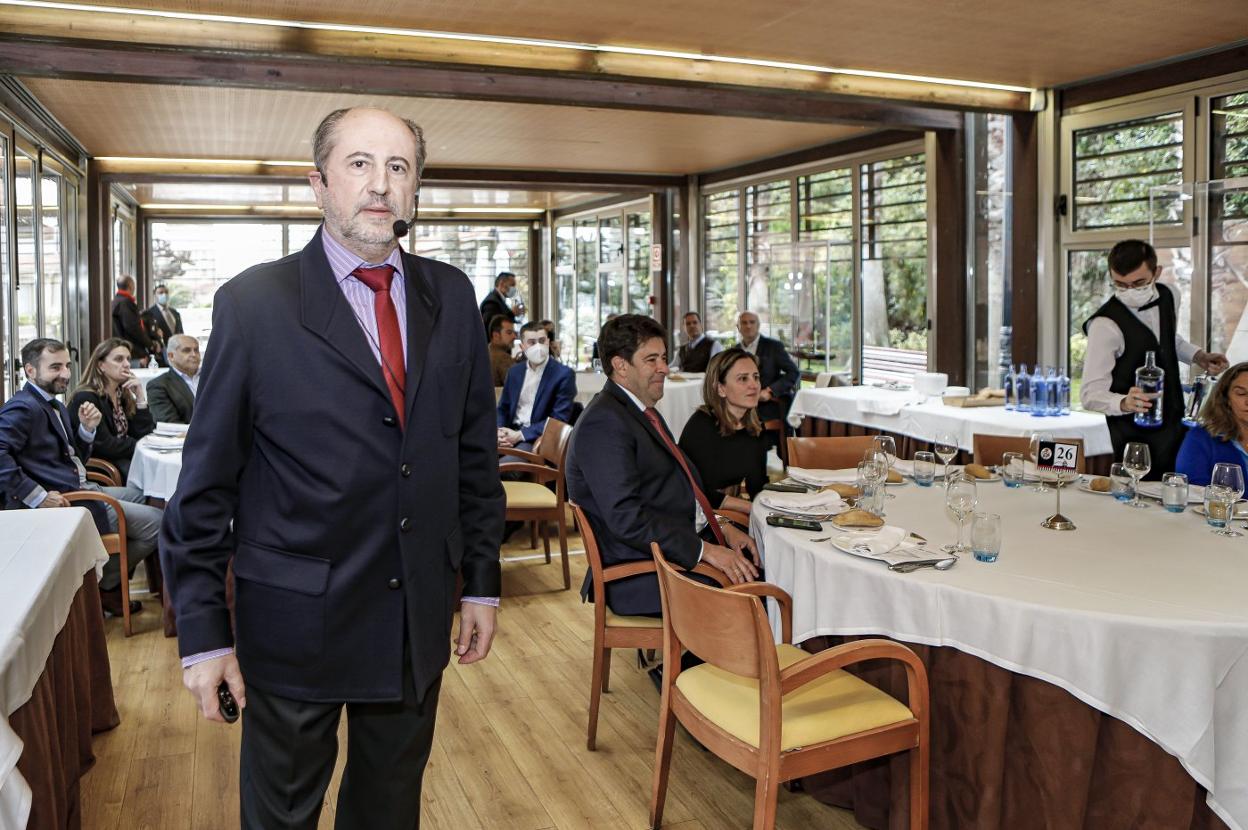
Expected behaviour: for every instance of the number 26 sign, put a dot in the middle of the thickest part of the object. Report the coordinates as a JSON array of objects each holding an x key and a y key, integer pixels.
[{"x": 1057, "y": 455}]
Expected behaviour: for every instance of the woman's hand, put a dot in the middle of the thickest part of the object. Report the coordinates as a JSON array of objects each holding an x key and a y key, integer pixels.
[{"x": 135, "y": 387}]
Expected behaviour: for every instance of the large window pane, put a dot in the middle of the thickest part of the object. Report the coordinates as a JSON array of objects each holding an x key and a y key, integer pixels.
[
  {"x": 480, "y": 251},
  {"x": 771, "y": 275},
  {"x": 894, "y": 268},
  {"x": 53, "y": 278},
  {"x": 721, "y": 216},
  {"x": 639, "y": 286},
  {"x": 586, "y": 287},
  {"x": 298, "y": 235},
  {"x": 1228, "y": 229},
  {"x": 1116, "y": 164},
  {"x": 565, "y": 293},
  {"x": 27, "y": 251},
  {"x": 825, "y": 211},
  {"x": 990, "y": 284}
]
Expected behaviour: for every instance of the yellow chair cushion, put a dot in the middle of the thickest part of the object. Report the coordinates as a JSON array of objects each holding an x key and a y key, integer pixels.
[
  {"x": 528, "y": 494},
  {"x": 835, "y": 705},
  {"x": 614, "y": 619}
]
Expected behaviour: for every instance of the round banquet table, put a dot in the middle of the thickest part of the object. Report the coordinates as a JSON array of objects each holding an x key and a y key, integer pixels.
[
  {"x": 154, "y": 472},
  {"x": 681, "y": 398},
  {"x": 1139, "y": 614}
]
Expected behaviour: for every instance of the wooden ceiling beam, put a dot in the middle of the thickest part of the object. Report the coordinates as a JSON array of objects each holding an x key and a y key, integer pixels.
[{"x": 186, "y": 65}]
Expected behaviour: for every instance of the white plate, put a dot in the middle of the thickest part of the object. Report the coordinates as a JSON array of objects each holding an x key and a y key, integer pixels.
[{"x": 1152, "y": 490}]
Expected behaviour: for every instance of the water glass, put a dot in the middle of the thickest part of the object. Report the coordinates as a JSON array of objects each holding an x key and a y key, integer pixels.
[
  {"x": 597, "y": 366},
  {"x": 1219, "y": 504},
  {"x": 1121, "y": 482},
  {"x": 986, "y": 536},
  {"x": 924, "y": 468},
  {"x": 961, "y": 498},
  {"x": 1174, "y": 492},
  {"x": 1013, "y": 472}
]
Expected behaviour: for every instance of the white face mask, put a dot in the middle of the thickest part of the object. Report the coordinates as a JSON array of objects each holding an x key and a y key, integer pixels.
[
  {"x": 1136, "y": 297},
  {"x": 537, "y": 353},
  {"x": 512, "y": 293}
]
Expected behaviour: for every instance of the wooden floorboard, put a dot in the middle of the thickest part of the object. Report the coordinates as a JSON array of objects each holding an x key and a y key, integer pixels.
[{"x": 509, "y": 751}]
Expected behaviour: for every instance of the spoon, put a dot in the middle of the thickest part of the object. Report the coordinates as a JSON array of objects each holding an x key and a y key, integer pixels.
[{"x": 939, "y": 564}]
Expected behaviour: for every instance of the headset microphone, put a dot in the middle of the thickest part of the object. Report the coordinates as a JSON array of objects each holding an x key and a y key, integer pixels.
[{"x": 400, "y": 228}]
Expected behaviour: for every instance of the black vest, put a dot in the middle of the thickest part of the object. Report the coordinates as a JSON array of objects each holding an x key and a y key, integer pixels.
[
  {"x": 697, "y": 358},
  {"x": 1164, "y": 441}
]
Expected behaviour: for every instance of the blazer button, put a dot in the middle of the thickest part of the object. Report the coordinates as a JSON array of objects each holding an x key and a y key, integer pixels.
[
  {"x": 405, "y": 470},
  {"x": 405, "y": 524},
  {"x": 390, "y": 421},
  {"x": 394, "y": 584}
]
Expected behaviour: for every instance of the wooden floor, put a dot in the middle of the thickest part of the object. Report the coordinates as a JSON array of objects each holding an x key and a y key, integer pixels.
[{"x": 509, "y": 750}]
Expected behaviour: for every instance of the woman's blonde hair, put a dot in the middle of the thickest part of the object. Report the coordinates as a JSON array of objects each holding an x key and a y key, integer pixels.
[
  {"x": 717, "y": 405},
  {"x": 93, "y": 379},
  {"x": 1216, "y": 416}
]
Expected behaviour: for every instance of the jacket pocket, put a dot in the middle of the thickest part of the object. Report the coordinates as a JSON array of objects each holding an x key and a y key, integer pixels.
[{"x": 279, "y": 605}]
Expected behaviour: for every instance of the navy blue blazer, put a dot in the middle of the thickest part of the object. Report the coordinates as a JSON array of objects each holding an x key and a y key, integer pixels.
[
  {"x": 556, "y": 392},
  {"x": 778, "y": 372},
  {"x": 633, "y": 492},
  {"x": 346, "y": 531},
  {"x": 33, "y": 451}
]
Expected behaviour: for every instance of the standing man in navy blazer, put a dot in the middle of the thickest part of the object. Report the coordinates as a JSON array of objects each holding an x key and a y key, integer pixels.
[
  {"x": 536, "y": 389},
  {"x": 343, "y": 453},
  {"x": 776, "y": 370}
]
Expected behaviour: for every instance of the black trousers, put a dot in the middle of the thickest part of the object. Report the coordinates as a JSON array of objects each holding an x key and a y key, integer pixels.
[{"x": 290, "y": 746}]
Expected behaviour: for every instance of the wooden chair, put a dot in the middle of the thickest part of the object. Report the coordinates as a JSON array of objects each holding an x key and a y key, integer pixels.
[
  {"x": 988, "y": 449},
  {"x": 611, "y": 630},
  {"x": 828, "y": 453},
  {"x": 106, "y": 472},
  {"x": 114, "y": 544},
  {"x": 774, "y": 711},
  {"x": 777, "y": 426},
  {"x": 533, "y": 501}
]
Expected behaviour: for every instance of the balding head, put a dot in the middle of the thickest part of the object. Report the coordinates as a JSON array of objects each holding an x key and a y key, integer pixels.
[
  {"x": 184, "y": 354},
  {"x": 747, "y": 326}
]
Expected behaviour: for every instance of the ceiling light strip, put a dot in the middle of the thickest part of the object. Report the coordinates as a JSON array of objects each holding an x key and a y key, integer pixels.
[{"x": 509, "y": 41}]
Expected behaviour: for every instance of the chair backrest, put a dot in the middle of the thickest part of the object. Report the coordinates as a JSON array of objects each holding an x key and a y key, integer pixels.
[
  {"x": 828, "y": 453},
  {"x": 592, "y": 555},
  {"x": 726, "y": 629},
  {"x": 988, "y": 449},
  {"x": 553, "y": 442}
]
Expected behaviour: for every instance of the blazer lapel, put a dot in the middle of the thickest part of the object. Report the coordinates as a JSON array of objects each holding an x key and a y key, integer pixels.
[
  {"x": 422, "y": 314},
  {"x": 186, "y": 398},
  {"x": 61, "y": 427},
  {"x": 631, "y": 408},
  {"x": 325, "y": 311}
]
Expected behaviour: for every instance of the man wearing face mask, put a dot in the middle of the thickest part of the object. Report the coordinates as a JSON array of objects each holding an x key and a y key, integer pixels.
[
  {"x": 537, "y": 389},
  {"x": 495, "y": 303},
  {"x": 1140, "y": 317}
]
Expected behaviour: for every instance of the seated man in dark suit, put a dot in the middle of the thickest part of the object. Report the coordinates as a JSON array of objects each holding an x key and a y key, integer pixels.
[
  {"x": 537, "y": 388},
  {"x": 695, "y": 355},
  {"x": 777, "y": 372},
  {"x": 42, "y": 457},
  {"x": 171, "y": 396},
  {"x": 495, "y": 303},
  {"x": 635, "y": 485},
  {"x": 502, "y": 334}
]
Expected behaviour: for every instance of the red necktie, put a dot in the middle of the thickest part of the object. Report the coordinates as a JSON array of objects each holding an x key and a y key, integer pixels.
[
  {"x": 393, "y": 365},
  {"x": 698, "y": 495}
]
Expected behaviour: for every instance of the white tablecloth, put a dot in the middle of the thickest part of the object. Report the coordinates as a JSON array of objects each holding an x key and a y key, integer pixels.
[
  {"x": 900, "y": 413},
  {"x": 1141, "y": 614},
  {"x": 681, "y": 398},
  {"x": 146, "y": 375},
  {"x": 155, "y": 473},
  {"x": 43, "y": 556}
]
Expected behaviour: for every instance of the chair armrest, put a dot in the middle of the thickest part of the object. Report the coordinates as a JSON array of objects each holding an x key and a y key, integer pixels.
[
  {"x": 641, "y": 566},
  {"x": 100, "y": 478},
  {"x": 817, "y": 665},
  {"x": 107, "y": 468},
  {"x": 782, "y": 598},
  {"x": 531, "y": 457},
  {"x": 713, "y": 572},
  {"x": 539, "y": 471},
  {"x": 736, "y": 517},
  {"x": 91, "y": 495}
]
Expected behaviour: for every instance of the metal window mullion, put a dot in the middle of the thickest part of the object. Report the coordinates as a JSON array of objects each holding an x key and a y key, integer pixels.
[{"x": 855, "y": 360}]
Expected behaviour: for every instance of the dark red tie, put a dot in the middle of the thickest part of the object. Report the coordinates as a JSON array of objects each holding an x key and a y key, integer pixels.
[
  {"x": 393, "y": 365},
  {"x": 698, "y": 495}
]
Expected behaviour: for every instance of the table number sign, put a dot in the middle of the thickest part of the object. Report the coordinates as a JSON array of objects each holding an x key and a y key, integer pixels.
[{"x": 1058, "y": 455}]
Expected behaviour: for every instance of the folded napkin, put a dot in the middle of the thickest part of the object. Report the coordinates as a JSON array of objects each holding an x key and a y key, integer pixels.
[
  {"x": 159, "y": 442},
  {"x": 170, "y": 428},
  {"x": 881, "y": 406},
  {"x": 818, "y": 478},
  {"x": 878, "y": 542},
  {"x": 827, "y": 502}
]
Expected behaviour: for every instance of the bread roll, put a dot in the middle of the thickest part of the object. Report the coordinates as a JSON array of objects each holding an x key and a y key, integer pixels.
[
  {"x": 857, "y": 518},
  {"x": 845, "y": 491},
  {"x": 894, "y": 477},
  {"x": 978, "y": 471},
  {"x": 1100, "y": 484}
]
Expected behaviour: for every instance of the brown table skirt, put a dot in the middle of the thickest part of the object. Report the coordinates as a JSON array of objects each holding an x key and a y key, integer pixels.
[
  {"x": 72, "y": 700},
  {"x": 907, "y": 446},
  {"x": 1011, "y": 751}
]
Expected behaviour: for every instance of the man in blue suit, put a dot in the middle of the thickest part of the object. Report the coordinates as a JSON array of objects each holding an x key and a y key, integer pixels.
[
  {"x": 42, "y": 457},
  {"x": 537, "y": 389},
  {"x": 349, "y": 492},
  {"x": 634, "y": 483}
]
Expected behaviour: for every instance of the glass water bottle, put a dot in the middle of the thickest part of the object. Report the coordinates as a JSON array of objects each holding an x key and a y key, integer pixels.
[{"x": 1151, "y": 379}]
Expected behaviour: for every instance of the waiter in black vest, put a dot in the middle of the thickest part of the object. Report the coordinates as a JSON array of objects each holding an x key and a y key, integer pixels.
[
  {"x": 699, "y": 348},
  {"x": 1141, "y": 317}
]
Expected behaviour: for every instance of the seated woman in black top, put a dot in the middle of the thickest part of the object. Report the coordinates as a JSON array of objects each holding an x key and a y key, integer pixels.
[
  {"x": 724, "y": 438},
  {"x": 108, "y": 383}
]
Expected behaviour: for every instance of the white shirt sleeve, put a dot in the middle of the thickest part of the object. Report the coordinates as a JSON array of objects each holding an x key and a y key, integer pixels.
[
  {"x": 716, "y": 347},
  {"x": 1105, "y": 346}
]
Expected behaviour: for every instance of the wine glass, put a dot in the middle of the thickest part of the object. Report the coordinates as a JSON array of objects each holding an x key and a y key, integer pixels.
[
  {"x": 1033, "y": 451},
  {"x": 1230, "y": 477},
  {"x": 946, "y": 448},
  {"x": 886, "y": 446},
  {"x": 961, "y": 497},
  {"x": 1138, "y": 461}
]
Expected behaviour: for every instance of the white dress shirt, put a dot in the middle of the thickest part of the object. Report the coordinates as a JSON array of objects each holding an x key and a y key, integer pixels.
[
  {"x": 191, "y": 382},
  {"x": 528, "y": 392},
  {"x": 1106, "y": 344},
  {"x": 752, "y": 348}
]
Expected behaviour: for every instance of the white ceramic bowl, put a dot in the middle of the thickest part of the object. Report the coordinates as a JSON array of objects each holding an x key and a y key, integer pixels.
[{"x": 930, "y": 384}]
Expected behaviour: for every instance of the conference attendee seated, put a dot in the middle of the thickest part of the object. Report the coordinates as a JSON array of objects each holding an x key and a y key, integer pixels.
[
  {"x": 777, "y": 371},
  {"x": 502, "y": 336},
  {"x": 536, "y": 388},
  {"x": 43, "y": 453},
  {"x": 1222, "y": 433},
  {"x": 695, "y": 355},
  {"x": 128, "y": 322},
  {"x": 724, "y": 437},
  {"x": 171, "y": 395},
  {"x": 110, "y": 386},
  {"x": 635, "y": 485}
]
